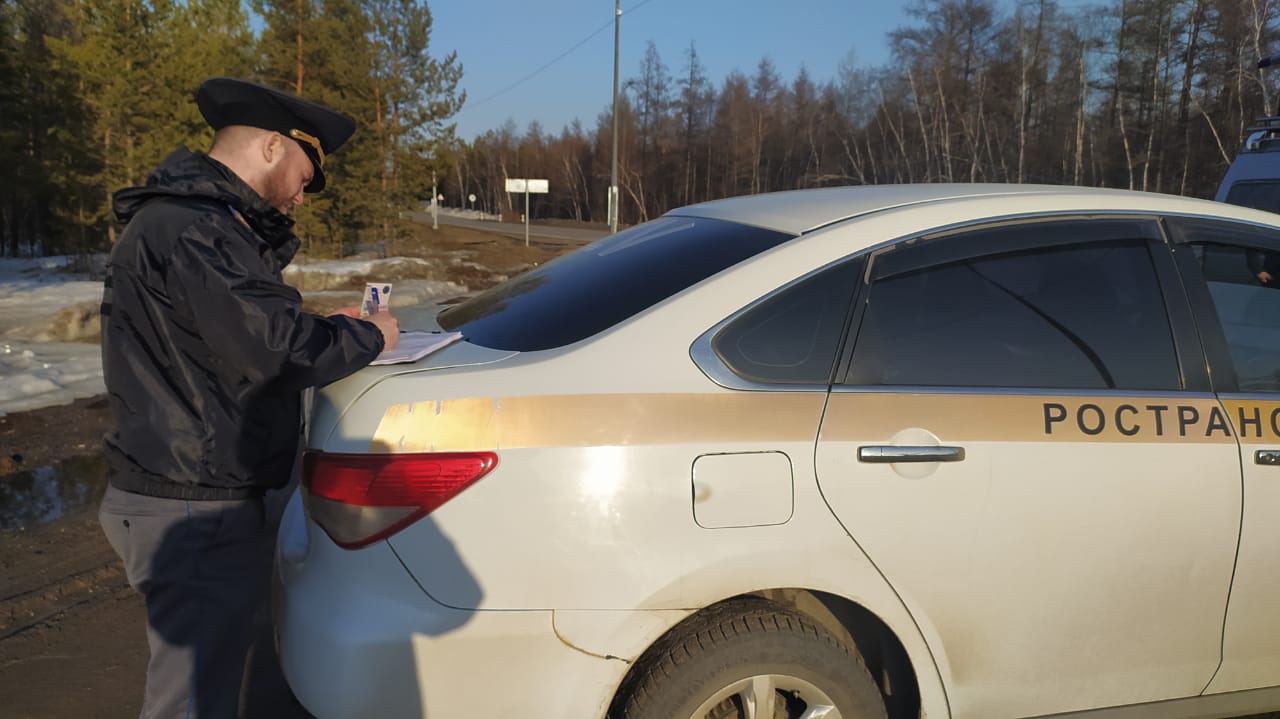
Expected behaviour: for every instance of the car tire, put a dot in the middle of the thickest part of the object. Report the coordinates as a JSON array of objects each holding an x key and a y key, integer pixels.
[{"x": 753, "y": 660}]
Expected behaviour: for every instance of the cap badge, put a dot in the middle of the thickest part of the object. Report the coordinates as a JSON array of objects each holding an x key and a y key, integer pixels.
[{"x": 311, "y": 140}]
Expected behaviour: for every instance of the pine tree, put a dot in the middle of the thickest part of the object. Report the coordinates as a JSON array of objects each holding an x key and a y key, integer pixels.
[
  {"x": 369, "y": 59},
  {"x": 10, "y": 128},
  {"x": 417, "y": 94},
  {"x": 137, "y": 65},
  {"x": 47, "y": 164}
]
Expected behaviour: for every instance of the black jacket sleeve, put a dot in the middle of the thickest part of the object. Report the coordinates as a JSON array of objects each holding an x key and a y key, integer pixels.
[{"x": 254, "y": 322}]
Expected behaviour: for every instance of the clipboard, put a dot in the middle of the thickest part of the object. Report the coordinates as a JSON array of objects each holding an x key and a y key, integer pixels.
[{"x": 414, "y": 346}]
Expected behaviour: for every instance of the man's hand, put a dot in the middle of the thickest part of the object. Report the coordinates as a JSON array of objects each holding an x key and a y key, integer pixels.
[
  {"x": 384, "y": 321},
  {"x": 1264, "y": 277},
  {"x": 352, "y": 311},
  {"x": 388, "y": 325}
]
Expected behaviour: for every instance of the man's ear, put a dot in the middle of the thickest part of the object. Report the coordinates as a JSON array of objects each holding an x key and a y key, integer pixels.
[{"x": 272, "y": 149}]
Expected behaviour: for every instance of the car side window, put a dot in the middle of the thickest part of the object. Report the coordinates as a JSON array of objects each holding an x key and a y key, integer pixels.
[
  {"x": 792, "y": 337},
  {"x": 1242, "y": 271},
  {"x": 1258, "y": 194},
  {"x": 1070, "y": 316}
]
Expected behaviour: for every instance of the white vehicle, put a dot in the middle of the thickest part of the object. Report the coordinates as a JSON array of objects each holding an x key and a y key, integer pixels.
[{"x": 967, "y": 451}]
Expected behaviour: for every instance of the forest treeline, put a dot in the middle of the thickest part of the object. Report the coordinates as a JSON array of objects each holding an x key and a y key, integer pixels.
[
  {"x": 1143, "y": 94},
  {"x": 95, "y": 93}
]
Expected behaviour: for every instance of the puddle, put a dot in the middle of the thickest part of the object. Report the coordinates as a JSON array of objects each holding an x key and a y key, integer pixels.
[{"x": 53, "y": 491}]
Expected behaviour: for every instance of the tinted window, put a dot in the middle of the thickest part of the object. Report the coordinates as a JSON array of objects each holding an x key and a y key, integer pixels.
[
  {"x": 604, "y": 283},
  {"x": 1074, "y": 316},
  {"x": 1245, "y": 285},
  {"x": 791, "y": 338},
  {"x": 1260, "y": 195}
]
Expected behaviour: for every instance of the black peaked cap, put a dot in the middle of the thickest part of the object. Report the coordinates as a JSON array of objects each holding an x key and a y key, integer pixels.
[{"x": 225, "y": 101}]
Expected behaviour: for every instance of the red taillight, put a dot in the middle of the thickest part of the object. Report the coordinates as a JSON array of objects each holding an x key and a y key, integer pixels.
[{"x": 359, "y": 499}]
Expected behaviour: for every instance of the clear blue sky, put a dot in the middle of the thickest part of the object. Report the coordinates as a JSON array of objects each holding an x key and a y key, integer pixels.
[{"x": 501, "y": 42}]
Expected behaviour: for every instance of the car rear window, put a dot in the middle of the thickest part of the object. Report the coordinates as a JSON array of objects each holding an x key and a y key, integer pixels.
[
  {"x": 604, "y": 283},
  {"x": 1256, "y": 194}
]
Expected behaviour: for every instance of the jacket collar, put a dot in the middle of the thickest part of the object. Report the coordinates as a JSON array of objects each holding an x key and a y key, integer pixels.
[{"x": 196, "y": 175}]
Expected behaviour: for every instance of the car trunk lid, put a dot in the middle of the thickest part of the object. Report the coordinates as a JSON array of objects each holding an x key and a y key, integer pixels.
[{"x": 328, "y": 404}]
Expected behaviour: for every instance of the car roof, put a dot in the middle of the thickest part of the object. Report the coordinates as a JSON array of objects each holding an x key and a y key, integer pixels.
[{"x": 800, "y": 211}]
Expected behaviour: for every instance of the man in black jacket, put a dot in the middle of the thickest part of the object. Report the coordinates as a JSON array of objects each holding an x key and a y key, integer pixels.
[{"x": 205, "y": 353}]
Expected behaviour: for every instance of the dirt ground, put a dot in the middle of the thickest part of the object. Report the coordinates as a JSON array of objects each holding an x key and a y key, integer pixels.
[
  {"x": 72, "y": 642},
  {"x": 71, "y": 630}
]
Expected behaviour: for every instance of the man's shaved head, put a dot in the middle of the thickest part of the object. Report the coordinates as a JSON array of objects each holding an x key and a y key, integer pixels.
[
  {"x": 276, "y": 167},
  {"x": 236, "y": 138}
]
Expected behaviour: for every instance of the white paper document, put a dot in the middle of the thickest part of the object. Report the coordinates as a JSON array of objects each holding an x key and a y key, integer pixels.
[{"x": 416, "y": 345}]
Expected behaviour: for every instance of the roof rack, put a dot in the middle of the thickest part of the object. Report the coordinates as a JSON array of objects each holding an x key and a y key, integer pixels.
[{"x": 1264, "y": 124}]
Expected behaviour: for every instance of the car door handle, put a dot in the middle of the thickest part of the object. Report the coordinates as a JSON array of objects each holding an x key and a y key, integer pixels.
[
  {"x": 885, "y": 454},
  {"x": 1267, "y": 456}
]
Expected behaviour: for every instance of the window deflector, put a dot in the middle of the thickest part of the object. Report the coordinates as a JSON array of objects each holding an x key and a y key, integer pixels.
[{"x": 972, "y": 244}]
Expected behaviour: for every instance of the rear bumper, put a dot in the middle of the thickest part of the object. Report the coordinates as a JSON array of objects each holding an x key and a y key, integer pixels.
[{"x": 359, "y": 638}]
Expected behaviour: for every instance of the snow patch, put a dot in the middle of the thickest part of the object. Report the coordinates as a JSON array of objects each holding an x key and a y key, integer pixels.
[{"x": 49, "y": 353}]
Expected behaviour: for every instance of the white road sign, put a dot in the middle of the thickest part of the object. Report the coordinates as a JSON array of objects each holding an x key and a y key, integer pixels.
[{"x": 520, "y": 184}]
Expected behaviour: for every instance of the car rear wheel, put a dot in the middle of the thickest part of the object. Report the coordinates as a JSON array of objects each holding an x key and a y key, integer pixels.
[{"x": 754, "y": 661}]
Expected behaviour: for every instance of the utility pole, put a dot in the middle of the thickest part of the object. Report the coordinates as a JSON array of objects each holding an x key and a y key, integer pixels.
[
  {"x": 435, "y": 210},
  {"x": 613, "y": 178}
]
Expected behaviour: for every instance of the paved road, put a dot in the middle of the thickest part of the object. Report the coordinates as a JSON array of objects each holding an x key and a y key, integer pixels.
[{"x": 544, "y": 233}]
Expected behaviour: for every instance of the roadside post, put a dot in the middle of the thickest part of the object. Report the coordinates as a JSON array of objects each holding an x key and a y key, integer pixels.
[{"x": 526, "y": 186}]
